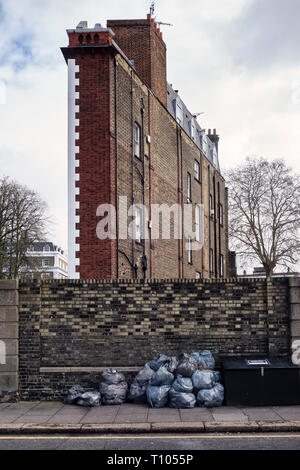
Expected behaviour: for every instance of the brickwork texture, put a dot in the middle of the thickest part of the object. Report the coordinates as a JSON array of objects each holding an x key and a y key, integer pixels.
[{"x": 70, "y": 330}]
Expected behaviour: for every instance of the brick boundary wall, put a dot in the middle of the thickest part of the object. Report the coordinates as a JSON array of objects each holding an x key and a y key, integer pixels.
[
  {"x": 71, "y": 330},
  {"x": 9, "y": 331}
]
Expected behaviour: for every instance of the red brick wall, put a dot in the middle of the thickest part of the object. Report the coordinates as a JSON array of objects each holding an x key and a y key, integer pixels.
[
  {"x": 142, "y": 42},
  {"x": 109, "y": 169},
  {"x": 96, "y": 158}
]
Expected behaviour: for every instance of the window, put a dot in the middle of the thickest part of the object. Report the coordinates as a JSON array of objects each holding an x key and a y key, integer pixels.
[
  {"x": 137, "y": 140},
  {"x": 203, "y": 143},
  {"x": 189, "y": 250},
  {"x": 211, "y": 209},
  {"x": 211, "y": 261},
  {"x": 45, "y": 262},
  {"x": 221, "y": 214},
  {"x": 46, "y": 248},
  {"x": 189, "y": 186},
  {"x": 138, "y": 224},
  {"x": 197, "y": 170},
  {"x": 221, "y": 265},
  {"x": 198, "y": 275},
  {"x": 214, "y": 155},
  {"x": 197, "y": 221},
  {"x": 192, "y": 129},
  {"x": 178, "y": 110}
]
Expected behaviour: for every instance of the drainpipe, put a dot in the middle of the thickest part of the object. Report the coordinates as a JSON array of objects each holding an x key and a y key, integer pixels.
[
  {"x": 116, "y": 168},
  {"x": 144, "y": 264},
  {"x": 134, "y": 271}
]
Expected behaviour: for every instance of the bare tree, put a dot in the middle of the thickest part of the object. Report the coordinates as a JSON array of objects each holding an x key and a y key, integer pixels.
[
  {"x": 264, "y": 212},
  {"x": 22, "y": 222}
]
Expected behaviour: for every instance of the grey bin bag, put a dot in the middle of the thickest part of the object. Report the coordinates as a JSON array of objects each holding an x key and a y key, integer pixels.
[
  {"x": 203, "y": 379},
  {"x": 158, "y": 361},
  {"x": 186, "y": 366},
  {"x": 157, "y": 397},
  {"x": 212, "y": 397},
  {"x": 112, "y": 376},
  {"x": 74, "y": 394},
  {"x": 217, "y": 375},
  {"x": 172, "y": 364},
  {"x": 183, "y": 384},
  {"x": 144, "y": 375},
  {"x": 137, "y": 393},
  {"x": 89, "y": 399},
  {"x": 113, "y": 394},
  {"x": 181, "y": 399},
  {"x": 204, "y": 359},
  {"x": 162, "y": 377}
]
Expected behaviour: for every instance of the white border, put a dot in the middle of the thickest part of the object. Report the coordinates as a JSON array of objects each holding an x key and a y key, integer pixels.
[{"x": 72, "y": 164}]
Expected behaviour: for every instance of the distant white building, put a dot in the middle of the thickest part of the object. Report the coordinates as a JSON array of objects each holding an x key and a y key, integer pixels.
[
  {"x": 259, "y": 272},
  {"x": 45, "y": 261}
]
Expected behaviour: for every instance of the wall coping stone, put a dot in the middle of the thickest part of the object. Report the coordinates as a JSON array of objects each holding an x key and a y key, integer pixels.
[
  {"x": 142, "y": 281},
  {"x": 89, "y": 369}
]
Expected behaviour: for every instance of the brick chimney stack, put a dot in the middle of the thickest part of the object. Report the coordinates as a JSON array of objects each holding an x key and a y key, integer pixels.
[{"x": 141, "y": 41}]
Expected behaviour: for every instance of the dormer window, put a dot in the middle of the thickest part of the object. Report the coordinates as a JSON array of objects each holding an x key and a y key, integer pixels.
[
  {"x": 203, "y": 144},
  {"x": 178, "y": 107},
  {"x": 46, "y": 248},
  {"x": 214, "y": 156},
  {"x": 192, "y": 128}
]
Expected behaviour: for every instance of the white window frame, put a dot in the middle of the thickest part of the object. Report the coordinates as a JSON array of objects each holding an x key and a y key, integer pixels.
[
  {"x": 203, "y": 143},
  {"x": 138, "y": 224},
  {"x": 197, "y": 170},
  {"x": 137, "y": 140},
  {"x": 221, "y": 214},
  {"x": 190, "y": 257},
  {"x": 192, "y": 129},
  {"x": 211, "y": 261},
  {"x": 45, "y": 262},
  {"x": 189, "y": 186},
  {"x": 178, "y": 111},
  {"x": 197, "y": 222},
  {"x": 211, "y": 206},
  {"x": 221, "y": 265},
  {"x": 198, "y": 275}
]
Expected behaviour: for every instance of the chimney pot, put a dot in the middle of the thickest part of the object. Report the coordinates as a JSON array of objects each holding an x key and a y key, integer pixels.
[
  {"x": 215, "y": 131},
  {"x": 209, "y": 131}
]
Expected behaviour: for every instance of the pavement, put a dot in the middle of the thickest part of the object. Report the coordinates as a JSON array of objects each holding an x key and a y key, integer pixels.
[{"x": 51, "y": 417}]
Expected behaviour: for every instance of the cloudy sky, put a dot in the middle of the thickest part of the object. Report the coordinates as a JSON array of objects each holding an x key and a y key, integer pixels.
[{"x": 235, "y": 60}]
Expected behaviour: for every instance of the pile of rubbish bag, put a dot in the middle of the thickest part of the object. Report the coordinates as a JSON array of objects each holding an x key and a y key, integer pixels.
[
  {"x": 185, "y": 382},
  {"x": 78, "y": 396},
  {"x": 112, "y": 391}
]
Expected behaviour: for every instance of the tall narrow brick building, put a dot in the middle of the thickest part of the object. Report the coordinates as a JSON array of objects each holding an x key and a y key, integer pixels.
[{"x": 131, "y": 136}]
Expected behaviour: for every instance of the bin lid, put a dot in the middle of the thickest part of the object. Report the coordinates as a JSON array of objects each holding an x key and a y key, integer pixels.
[{"x": 257, "y": 363}]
